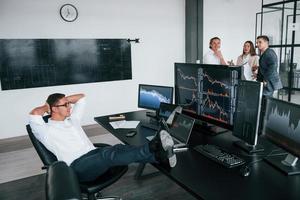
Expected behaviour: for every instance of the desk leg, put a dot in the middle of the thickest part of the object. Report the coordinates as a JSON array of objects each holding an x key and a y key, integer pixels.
[{"x": 139, "y": 171}]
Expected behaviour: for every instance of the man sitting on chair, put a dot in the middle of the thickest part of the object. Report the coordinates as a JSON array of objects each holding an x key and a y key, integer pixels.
[{"x": 65, "y": 138}]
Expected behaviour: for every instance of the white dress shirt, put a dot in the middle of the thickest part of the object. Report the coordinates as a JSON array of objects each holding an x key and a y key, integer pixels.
[
  {"x": 65, "y": 139},
  {"x": 248, "y": 62},
  {"x": 211, "y": 58}
]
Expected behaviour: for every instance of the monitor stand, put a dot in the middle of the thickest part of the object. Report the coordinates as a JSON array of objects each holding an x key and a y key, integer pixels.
[
  {"x": 212, "y": 129},
  {"x": 151, "y": 114},
  {"x": 248, "y": 147},
  {"x": 217, "y": 130},
  {"x": 151, "y": 122},
  {"x": 289, "y": 165}
]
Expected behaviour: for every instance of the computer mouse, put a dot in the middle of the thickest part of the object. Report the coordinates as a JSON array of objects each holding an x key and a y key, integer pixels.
[
  {"x": 245, "y": 171},
  {"x": 131, "y": 133}
]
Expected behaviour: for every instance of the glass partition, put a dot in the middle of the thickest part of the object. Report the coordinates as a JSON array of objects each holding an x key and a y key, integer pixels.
[
  {"x": 272, "y": 24},
  {"x": 296, "y": 69},
  {"x": 278, "y": 20},
  {"x": 297, "y": 35},
  {"x": 288, "y": 22},
  {"x": 271, "y": 1}
]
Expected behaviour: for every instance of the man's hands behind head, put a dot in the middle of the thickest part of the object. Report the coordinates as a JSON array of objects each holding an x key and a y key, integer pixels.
[{"x": 47, "y": 107}]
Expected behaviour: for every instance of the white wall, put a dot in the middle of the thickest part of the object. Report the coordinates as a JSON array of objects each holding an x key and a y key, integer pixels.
[
  {"x": 159, "y": 25},
  {"x": 231, "y": 20}
]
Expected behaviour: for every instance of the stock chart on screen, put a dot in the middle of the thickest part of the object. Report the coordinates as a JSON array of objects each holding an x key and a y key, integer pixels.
[
  {"x": 282, "y": 124},
  {"x": 207, "y": 90},
  {"x": 187, "y": 88},
  {"x": 217, "y": 93}
]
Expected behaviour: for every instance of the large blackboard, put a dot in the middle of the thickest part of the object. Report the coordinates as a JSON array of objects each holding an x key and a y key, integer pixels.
[{"x": 28, "y": 63}]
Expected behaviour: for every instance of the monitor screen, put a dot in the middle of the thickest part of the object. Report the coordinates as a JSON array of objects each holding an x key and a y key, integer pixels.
[
  {"x": 150, "y": 96},
  {"x": 207, "y": 92},
  {"x": 247, "y": 114},
  {"x": 30, "y": 63},
  {"x": 186, "y": 86},
  {"x": 282, "y": 124},
  {"x": 181, "y": 127},
  {"x": 166, "y": 109}
]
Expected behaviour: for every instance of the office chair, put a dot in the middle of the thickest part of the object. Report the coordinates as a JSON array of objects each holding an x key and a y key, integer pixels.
[
  {"x": 60, "y": 175},
  {"x": 92, "y": 188}
]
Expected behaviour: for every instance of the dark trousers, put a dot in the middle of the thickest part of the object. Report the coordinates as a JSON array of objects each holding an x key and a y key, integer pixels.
[{"x": 96, "y": 162}]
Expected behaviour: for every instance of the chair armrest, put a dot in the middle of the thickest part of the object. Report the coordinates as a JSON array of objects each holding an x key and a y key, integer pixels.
[
  {"x": 45, "y": 167},
  {"x": 100, "y": 145},
  {"x": 61, "y": 182}
]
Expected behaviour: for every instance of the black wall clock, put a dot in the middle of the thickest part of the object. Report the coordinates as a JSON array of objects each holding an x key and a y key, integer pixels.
[{"x": 68, "y": 12}]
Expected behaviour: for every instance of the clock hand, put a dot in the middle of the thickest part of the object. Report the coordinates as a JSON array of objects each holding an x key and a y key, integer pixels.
[{"x": 68, "y": 12}]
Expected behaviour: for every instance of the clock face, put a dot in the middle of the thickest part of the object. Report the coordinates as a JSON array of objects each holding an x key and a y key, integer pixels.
[{"x": 68, "y": 12}]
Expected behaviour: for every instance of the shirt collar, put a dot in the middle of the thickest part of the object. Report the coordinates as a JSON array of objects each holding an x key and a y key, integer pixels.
[{"x": 50, "y": 121}]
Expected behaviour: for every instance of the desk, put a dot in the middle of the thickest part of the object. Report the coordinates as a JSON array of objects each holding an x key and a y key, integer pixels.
[{"x": 206, "y": 179}]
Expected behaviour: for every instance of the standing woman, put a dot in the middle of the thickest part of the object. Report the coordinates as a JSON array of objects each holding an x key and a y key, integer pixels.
[{"x": 249, "y": 59}]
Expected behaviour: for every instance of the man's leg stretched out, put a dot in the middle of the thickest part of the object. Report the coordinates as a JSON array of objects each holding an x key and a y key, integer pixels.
[{"x": 91, "y": 165}]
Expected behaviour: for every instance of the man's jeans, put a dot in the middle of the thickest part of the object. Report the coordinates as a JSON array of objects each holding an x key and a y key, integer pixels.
[{"x": 96, "y": 162}]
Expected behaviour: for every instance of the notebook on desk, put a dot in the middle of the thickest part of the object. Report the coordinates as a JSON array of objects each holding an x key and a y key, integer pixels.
[{"x": 180, "y": 129}]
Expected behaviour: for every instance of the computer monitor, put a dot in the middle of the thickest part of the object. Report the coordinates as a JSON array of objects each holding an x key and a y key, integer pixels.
[
  {"x": 207, "y": 92},
  {"x": 150, "y": 96},
  {"x": 167, "y": 111},
  {"x": 247, "y": 115},
  {"x": 282, "y": 127}
]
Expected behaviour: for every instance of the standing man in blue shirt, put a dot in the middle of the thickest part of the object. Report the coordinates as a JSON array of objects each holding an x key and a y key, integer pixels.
[{"x": 268, "y": 65}]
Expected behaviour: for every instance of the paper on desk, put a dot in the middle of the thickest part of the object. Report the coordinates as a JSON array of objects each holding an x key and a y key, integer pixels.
[{"x": 124, "y": 124}]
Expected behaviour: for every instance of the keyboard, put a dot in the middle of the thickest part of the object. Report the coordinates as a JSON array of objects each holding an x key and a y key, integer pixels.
[
  {"x": 150, "y": 126},
  {"x": 220, "y": 156}
]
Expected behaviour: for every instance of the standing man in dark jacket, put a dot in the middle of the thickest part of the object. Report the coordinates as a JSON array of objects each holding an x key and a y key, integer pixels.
[{"x": 268, "y": 65}]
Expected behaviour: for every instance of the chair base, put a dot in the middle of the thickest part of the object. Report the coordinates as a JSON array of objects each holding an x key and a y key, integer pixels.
[{"x": 99, "y": 196}]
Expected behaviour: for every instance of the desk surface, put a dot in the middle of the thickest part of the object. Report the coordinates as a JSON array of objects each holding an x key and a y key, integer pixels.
[{"x": 206, "y": 179}]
